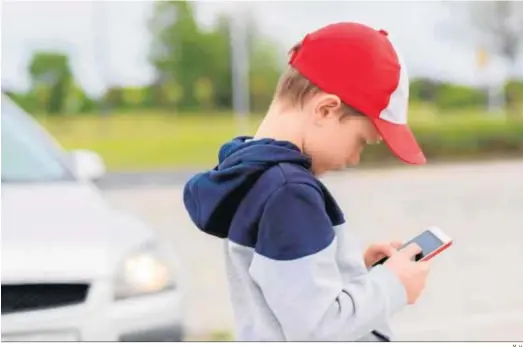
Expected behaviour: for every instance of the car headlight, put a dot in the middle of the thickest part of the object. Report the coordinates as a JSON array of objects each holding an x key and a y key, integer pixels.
[{"x": 145, "y": 271}]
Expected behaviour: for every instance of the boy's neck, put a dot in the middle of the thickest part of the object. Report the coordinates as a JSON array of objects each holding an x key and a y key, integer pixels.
[{"x": 282, "y": 124}]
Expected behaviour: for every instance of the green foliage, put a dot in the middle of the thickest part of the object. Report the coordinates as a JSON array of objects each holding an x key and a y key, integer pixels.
[
  {"x": 264, "y": 73},
  {"x": 74, "y": 101},
  {"x": 52, "y": 80},
  {"x": 424, "y": 89},
  {"x": 222, "y": 81},
  {"x": 204, "y": 93},
  {"x": 449, "y": 96},
  {"x": 194, "y": 73},
  {"x": 27, "y": 101},
  {"x": 133, "y": 97},
  {"x": 89, "y": 105},
  {"x": 515, "y": 87},
  {"x": 113, "y": 97},
  {"x": 514, "y": 97},
  {"x": 199, "y": 61},
  {"x": 160, "y": 140},
  {"x": 463, "y": 137},
  {"x": 180, "y": 51},
  {"x": 172, "y": 93}
]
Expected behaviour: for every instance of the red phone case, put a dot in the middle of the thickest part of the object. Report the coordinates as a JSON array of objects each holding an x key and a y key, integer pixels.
[{"x": 437, "y": 251}]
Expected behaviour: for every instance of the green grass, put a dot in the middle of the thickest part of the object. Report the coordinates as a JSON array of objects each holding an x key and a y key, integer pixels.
[
  {"x": 148, "y": 141},
  {"x": 159, "y": 140}
]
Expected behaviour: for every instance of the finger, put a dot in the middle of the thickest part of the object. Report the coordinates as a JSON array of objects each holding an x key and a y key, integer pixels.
[
  {"x": 396, "y": 244},
  {"x": 411, "y": 250},
  {"x": 384, "y": 249}
]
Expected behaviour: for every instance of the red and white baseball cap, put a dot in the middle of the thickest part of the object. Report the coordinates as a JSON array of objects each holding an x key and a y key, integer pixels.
[{"x": 360, "y": 65}]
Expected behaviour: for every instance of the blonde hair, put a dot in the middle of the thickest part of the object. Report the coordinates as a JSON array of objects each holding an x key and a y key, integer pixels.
[{"x": 294, "y": 89}]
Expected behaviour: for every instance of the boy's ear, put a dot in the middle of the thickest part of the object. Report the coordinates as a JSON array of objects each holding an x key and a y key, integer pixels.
[{"x": 327, "y": 105}]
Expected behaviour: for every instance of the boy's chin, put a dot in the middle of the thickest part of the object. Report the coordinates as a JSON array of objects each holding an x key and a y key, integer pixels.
[
  {"x": 335, "y": 168},
  {"x": 341, "y": 167}
]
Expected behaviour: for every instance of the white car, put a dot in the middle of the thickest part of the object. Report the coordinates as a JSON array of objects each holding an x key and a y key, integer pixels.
[{"x": 73, "y": 268}]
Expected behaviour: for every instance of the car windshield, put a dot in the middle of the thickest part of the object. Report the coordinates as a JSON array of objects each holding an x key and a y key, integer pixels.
[{"x": 28, "y": 154}]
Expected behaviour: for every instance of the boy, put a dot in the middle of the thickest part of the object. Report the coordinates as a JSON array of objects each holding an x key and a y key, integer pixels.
[{"x": 293, "y": 273}]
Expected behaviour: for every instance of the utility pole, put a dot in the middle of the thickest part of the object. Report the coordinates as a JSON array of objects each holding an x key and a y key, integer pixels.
[{"x": 493, "y": 92}]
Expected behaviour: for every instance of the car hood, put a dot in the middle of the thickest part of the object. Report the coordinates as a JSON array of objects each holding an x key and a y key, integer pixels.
[{"x": 63, "y": 231}]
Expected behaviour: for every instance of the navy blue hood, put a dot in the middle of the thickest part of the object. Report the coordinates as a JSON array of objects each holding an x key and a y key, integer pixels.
[{"x": 212, "y": 197}]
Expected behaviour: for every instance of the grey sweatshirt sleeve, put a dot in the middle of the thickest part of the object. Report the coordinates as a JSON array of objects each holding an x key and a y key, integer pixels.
[{"x": 295, "y": 267}]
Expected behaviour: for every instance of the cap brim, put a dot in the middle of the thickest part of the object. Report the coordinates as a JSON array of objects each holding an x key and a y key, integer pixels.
[{"x": 401, "y": 141}]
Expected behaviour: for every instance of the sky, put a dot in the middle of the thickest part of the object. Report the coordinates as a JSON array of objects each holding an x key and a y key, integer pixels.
[{"x": 108, "y": 42}]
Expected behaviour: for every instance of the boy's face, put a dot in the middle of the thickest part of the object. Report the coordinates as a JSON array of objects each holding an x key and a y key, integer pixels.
[{"x": 333, "y": 140}]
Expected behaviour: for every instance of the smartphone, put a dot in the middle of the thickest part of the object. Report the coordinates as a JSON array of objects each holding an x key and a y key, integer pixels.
[{"x": 432, "y": 241}]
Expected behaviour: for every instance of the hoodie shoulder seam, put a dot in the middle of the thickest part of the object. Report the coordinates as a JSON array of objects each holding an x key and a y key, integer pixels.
[
  {"x": 282, "y": 173},
  {"x": 287, "y": 182}
]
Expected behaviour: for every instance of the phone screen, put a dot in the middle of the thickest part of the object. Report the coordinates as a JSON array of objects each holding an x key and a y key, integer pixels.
[{"x": 428, "y": 243}]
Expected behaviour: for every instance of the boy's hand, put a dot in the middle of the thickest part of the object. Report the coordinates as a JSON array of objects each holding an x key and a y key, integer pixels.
[
  {"x": 412, "y": 274},
  {"x": 379, "y": 251}
]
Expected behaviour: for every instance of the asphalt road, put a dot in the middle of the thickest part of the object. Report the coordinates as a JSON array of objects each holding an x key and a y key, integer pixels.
[{"x": 475, "y": 291}]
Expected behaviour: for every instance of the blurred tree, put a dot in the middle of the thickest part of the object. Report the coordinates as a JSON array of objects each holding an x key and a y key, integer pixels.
[
  {"x": 199, "y": 62},
  {"x": 451, "y": 96},
  {"x": 424, "y": 89},
  {"x": 500, "y": 25},
  {"x": 265, "y": 71},
  {"x": 514, "y": 95},
  {"x": 178, "y": 51},
  {"x": 113, "y": 97},
  {"x": 133, "y": 97},
  {"x": 153, "y": 95},
  {"x": 74, "y": 100},
  {"x": 222, "y": 74},
  {"x": 172, "y": 92},
  {"x": 42, "y": 93},
  {"x": 51, "y": 80},
  {"x": 266, "y": 63},
  {"x": 27, "y": 100},
  {"x": 204, "y": 93},
  {"x": 89, "y": 104}
]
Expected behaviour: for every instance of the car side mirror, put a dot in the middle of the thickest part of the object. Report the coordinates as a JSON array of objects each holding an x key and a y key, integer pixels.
[{"x": 88, "y": 165}]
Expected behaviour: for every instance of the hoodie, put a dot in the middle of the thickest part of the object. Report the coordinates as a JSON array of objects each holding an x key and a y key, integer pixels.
[{"x": 295, "y": 273}]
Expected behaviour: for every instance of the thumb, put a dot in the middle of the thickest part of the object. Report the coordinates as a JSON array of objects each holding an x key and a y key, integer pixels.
[
  {"x": 396, "y": 244},
  {"x": 385, "y": 249},
  {"x": 411, "y": 250}
]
